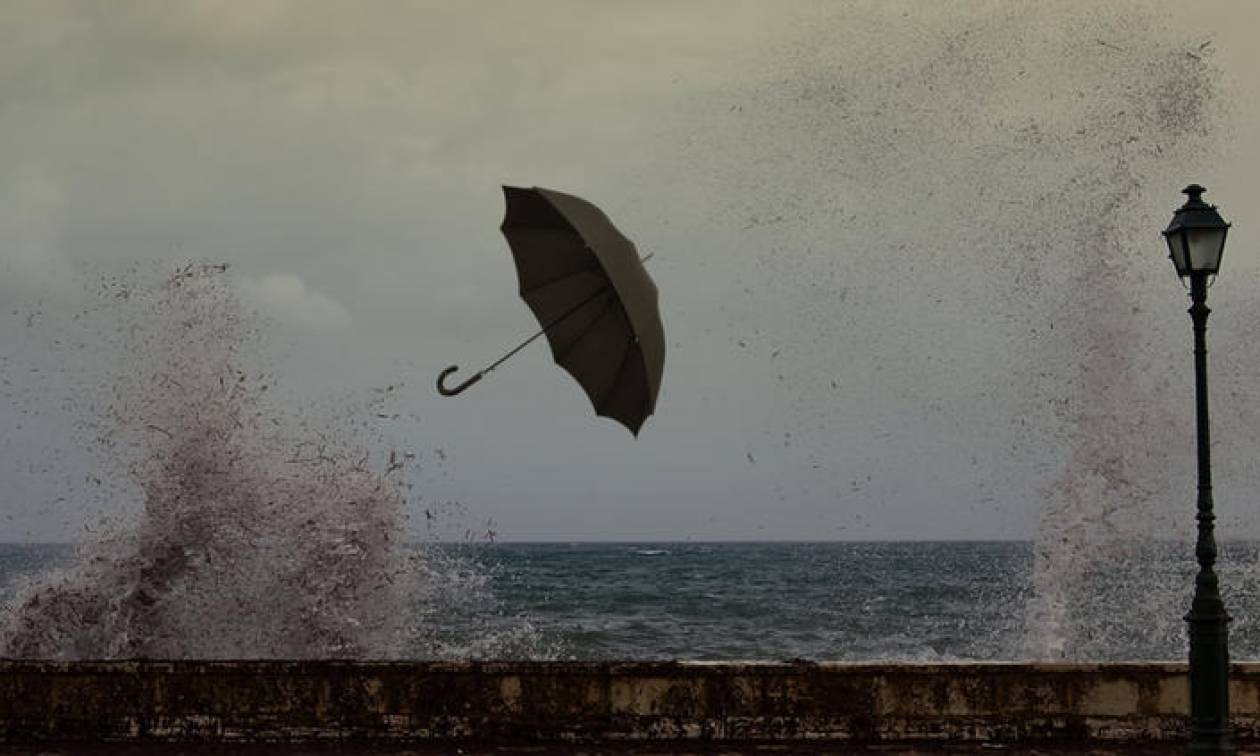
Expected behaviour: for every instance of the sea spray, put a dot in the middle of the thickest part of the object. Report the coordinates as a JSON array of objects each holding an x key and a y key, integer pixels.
[
  {"x": 261, "y": 533},
  {"x": 1106, "y": 583},
  {"x": 955, "y": 231}
]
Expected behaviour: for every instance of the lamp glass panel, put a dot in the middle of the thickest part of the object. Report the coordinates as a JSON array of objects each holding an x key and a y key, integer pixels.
[
  {"x": 1176, "y": 248},
  {"x": 1205, "y": 248}
]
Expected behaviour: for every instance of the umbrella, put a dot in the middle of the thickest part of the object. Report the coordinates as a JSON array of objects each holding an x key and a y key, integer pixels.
[{"x": 586, "y": 284}]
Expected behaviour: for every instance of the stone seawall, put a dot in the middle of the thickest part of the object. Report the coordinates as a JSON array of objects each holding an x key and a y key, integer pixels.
[{"x": 537, "y": 702}]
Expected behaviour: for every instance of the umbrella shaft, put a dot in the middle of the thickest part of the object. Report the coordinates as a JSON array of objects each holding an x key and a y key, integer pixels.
[{"x": 546, "y": 328}]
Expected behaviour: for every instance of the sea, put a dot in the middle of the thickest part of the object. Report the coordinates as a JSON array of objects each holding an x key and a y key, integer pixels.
[{"x": 906, "y": 601}]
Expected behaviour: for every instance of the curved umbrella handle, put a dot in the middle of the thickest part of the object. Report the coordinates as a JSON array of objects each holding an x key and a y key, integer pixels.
[{"x": 444, "y": 391}]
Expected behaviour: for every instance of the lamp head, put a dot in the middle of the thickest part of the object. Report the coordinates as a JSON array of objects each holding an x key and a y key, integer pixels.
[{"x": 1196, "y": 236}]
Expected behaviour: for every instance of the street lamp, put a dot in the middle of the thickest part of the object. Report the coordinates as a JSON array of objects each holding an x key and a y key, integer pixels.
[{"x": 1196, "y": 240}]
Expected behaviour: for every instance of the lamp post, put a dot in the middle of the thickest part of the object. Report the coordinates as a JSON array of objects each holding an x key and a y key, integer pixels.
[{"x": 1196, "y": 240}]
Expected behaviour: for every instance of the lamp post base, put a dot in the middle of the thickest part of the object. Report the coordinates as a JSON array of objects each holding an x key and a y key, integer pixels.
[{"x": 1216, "y": 742}]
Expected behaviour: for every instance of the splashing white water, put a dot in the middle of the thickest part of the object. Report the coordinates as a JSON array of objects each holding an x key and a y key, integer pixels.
[{"x": 260, "y": 534}]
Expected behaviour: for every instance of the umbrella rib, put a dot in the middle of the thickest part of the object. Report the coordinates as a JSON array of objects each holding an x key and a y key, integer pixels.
[
  {"x": 608, "y": 307},
  {"x": 625, "y": 355},
  {"x": 563, "y": 277}
]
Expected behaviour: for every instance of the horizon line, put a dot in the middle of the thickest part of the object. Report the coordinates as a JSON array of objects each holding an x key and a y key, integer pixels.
[{"x": 684, "y": 542}]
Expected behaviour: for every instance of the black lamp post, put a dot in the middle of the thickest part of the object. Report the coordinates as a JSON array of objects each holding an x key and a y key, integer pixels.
[{"x": 1196, "y": 240}]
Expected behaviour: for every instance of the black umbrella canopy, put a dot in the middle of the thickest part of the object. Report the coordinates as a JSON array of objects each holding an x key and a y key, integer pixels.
[{"x": 584, "y": 281}]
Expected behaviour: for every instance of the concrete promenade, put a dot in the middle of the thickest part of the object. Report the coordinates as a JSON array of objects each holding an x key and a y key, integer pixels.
[{"x": 338, "y": 707}]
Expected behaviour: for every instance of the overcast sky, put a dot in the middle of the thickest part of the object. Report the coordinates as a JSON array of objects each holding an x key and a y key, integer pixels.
[{"x": 908, "y": 253}]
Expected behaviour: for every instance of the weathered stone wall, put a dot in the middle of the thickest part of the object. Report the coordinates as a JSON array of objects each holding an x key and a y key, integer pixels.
[{"x": 522, "y": 702}]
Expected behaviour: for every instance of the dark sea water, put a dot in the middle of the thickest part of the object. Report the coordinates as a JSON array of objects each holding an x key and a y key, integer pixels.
[
  {"x": 730, "y": 601},
  {"x": 768, "y": 601}
]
